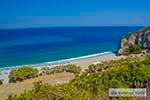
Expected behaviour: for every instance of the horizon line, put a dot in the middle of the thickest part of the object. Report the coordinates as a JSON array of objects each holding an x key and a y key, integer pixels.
[{"x": 34, "y": 27}]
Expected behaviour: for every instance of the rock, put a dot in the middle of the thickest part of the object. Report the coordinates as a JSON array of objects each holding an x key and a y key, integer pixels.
[
  {"x": 124, "y": 47},
  {"x": 135, "y": 41}
]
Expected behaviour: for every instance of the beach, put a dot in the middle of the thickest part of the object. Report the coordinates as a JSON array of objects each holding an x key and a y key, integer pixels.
[
  {"x": 34, "y": 46},
  {"x": 83, "y": 62}
]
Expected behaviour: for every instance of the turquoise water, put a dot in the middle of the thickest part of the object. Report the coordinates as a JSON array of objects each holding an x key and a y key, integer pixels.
[{"x": 38, "y": 45}]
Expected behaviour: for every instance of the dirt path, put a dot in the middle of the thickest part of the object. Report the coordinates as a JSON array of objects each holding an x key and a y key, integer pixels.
[{"x": 19, "y": 87}]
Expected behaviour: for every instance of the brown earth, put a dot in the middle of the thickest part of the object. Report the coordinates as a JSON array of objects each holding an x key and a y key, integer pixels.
[{"x": 19, "y": 87}]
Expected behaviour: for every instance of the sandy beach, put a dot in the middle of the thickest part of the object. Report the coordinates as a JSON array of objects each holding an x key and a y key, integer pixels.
[{"x": 83, "y": 61}]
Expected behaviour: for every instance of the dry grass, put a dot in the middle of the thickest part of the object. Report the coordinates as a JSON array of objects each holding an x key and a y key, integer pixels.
[{"x": 19, "y": 87}]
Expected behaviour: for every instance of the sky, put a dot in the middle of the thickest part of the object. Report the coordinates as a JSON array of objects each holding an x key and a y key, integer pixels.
[{"x": 53, "y": 13}]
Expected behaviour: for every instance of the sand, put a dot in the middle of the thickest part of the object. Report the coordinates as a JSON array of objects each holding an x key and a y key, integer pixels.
[{"x": 83, "y": 62}]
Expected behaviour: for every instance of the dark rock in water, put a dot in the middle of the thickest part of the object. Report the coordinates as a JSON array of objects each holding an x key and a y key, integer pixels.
[{"x": 135, "y": 42}]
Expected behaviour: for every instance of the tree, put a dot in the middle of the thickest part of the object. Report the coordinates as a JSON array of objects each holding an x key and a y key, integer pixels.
[
  {"x": 124, "y": 73},
  {"x": 23, "y": 73}
]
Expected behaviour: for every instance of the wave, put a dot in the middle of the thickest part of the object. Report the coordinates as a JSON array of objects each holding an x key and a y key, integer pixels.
[
  {"x": 53, "y": 63},
  {"x": 82, "y": 57}
]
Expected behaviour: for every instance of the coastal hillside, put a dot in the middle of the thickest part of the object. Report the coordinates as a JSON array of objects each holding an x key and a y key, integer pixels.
[
  {"x": 94, "y": 84},
  {"x": 135, "y": 42}
]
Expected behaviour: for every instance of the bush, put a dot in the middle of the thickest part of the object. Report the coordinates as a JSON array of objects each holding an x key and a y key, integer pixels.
[
  {"x": 66, "y": 68},
  {"x": 105, "y": 65},
  {"x": 135, "y": 49},
  {"x": 92, "y": 68},
  {"x": 1, "y": 82},
  {"x": 23, "y": 73},
  {"x": 124, "y": 73},
  {"x": 148, "y": 50},
  {"x": 128, "y": 35}
]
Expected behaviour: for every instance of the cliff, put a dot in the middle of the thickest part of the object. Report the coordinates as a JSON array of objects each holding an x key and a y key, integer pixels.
[{"x": 135, "y": 42}]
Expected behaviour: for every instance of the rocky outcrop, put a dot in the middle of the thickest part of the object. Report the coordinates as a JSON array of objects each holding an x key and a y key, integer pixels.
[{"x": 134, "y": 42}]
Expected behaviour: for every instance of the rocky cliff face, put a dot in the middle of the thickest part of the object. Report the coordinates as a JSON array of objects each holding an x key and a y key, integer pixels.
[{"x": 135, "y": 41}]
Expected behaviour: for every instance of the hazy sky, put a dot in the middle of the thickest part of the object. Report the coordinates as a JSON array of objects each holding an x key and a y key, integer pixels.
[{"x": 47, "y": 13}]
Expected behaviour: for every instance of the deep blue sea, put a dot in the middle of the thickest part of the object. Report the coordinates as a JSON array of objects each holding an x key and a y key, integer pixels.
[{"x": 38, "y": 45}]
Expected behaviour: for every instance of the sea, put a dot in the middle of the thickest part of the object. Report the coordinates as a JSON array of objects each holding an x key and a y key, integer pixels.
[{"x": 24, "y": 46}]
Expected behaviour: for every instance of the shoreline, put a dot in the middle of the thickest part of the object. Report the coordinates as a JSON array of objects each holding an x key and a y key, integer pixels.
[
  {"x": 83, "y": 61},
  {"x": 53, "y": 63}
]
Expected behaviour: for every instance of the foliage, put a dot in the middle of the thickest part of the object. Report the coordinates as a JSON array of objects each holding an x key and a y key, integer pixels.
[
  {"x": 107, "y": 65},
  {"x": 94, "y": 84},
  {"x": 66, "y": 68},
  {"x": 135, "y": 49},
  {"x": 148, "y": 50},
  {"x": 128, "y": 35},
  {"x": 144, "y": 29},
  {"x": 135, "y": 42},
  {"x": 0, "y": 72},
  {"x": 23, "y": 73},
  {"x": 1, "y": 82},
  {"x": 92, "y": 68}
]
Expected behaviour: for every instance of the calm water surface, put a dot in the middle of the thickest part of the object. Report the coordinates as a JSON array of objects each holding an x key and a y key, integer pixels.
[{"x": 38, "y": 45}]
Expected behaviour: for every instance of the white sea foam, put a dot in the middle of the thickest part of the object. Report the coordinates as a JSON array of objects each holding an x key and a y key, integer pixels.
[
  {"x": 59, "y": 62},
  {"x": 82, "y": 57}
]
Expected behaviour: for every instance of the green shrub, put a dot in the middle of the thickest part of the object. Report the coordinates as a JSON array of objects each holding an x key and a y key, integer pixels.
[
  {"x": 92, "y": 68},
  {"x": 1, "y": 82},
  {"x": 124, "y": 73},
  {"x": 66, "y": 68},
  {"x": 148, "y": 50},
  {"x": 144, "y": 29},
  {"x": 135, "y": 49},
  {"x": 128, "y": 35},
  {"x": 23, "y": 73}
]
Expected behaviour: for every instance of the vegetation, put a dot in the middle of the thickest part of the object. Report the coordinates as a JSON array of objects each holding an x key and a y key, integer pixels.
[
  {"x": 95, "y": 83},
  {"x": 135, "y": 49},
  {"x": 0, "y": 72},
  {"x": 66, "y": 68},
  {"x": 128, "y": 35},
  {"x": 148, "y": 50},
  {"x": 1, "y": 82},
  {"x": 144, "y": 29},
  {"x": 135, "y": 42},
  {"x": 23, "y": 73}
]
